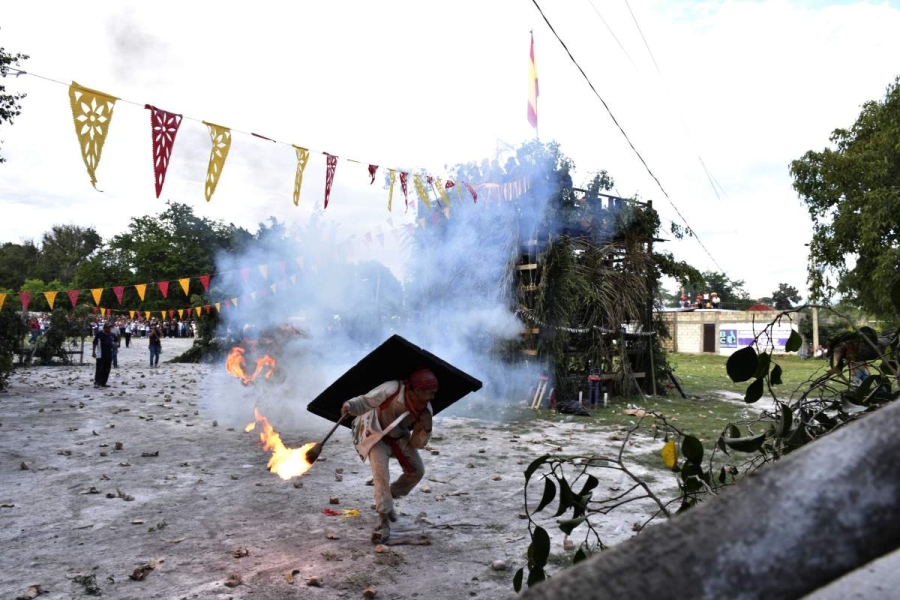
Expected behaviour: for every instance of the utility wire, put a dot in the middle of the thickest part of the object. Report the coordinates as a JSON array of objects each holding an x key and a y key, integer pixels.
[
  {"x": 609, "y": 29},
  {"x": 709, "y": 177},
  {"x": 627, "y": 139}
]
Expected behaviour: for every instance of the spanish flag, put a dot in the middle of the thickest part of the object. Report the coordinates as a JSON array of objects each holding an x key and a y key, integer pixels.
[{"x": 532, "y": 88}]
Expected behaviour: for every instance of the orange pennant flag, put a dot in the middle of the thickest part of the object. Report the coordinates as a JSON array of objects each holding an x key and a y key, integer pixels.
[
  {"x": 141, "y": 290},
  {"x": 163, "y": 313},
  {"x": 185, "y": 284},
  {"x": 218, "y": 307},
  {"x": 180, "y": 312},
  {"x": 91, "y": 113},
  {"x": 51, "y": 297},
  {"x": 147, "y": 315},
  {"x": 131, "y": 314},
  {"x": 2, "y": 299},
  {"x": 97, "y": 292},
  {"x": 264, "y": 270}
]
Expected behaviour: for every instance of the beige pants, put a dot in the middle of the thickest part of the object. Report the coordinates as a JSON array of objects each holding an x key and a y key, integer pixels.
[{"x": 379, "y": 458}]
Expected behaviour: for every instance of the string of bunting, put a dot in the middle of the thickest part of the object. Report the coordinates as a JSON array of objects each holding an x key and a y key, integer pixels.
[
  {"x": 92, "y": 113},
  {"x": 529, "y": 317}
]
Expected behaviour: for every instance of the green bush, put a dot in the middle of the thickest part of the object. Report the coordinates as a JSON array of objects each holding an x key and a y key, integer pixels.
[
  {"x": 65, "y": 325},
  {"x": 12, "y": 332}
]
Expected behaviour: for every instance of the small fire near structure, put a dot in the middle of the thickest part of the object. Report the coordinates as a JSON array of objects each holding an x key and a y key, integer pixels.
[{"x": 236, "y": 365}]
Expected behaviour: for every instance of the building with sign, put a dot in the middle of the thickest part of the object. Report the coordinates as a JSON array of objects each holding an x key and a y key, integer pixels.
[{"x": 723, "y": 332}]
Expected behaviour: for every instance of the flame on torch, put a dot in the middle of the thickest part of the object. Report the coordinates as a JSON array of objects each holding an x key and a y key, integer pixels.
[
  {"x": 235, "y": 364},
  {"x": 285, "y": 462}
]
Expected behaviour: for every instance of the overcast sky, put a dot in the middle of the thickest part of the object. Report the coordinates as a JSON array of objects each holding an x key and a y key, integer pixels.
[{"x": 748, "y": 86}]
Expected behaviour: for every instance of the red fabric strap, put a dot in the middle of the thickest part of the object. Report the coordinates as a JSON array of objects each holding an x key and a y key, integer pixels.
[{"x": 398, "y": 454}]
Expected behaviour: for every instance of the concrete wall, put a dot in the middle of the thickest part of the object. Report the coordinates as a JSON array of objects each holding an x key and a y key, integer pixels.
[{"x": 686, "y": 329}]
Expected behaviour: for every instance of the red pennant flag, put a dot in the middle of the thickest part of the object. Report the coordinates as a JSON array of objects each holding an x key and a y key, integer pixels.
[
  {"x": 471, "y": 191},
  {"x": 207, "y": 308},
  {"x": 372, "y": 169},
  {"x": 449, "y": 184},
  {"x": 404, "y": 177},
  {"x": 245, "y": 275},
  {"x": 163, "y": 128},
  {"x": 25, "y": 298},
  {"x": 73, "y": 297},
  {"x": 171, "y": 313},
  {"x": 204, "y": 279},
  {"x": 188, "y": 311},
  {"x": 331, "y": 166},
  {"x": 94, "y": 309},
  {"x": 164, "y": 288},
  {"x": 282, "y": 266},
  {"x": 118, "y": 291}
]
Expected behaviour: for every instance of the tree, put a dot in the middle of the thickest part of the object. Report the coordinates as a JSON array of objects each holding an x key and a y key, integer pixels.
[
  {"x": 17, "y": 263},
  {"x": 9, "y": 103},
  {"x": 852, "y": 192},
  {"x": 785, "y": 296},
  {"x": 64, "y": 248}
]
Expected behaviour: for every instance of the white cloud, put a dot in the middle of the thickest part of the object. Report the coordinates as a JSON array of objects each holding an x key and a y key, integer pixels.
[{"x": 407, "y": 83}]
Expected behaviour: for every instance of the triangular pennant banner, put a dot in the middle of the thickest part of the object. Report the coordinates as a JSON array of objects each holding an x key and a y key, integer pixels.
[
  {"x": 118, "y": 291},
  {"x": 208, "y": 309},
  {"x": 180, "y": 313},
  {"x": 2, "y": 299},
  {"x": 221, "y": 143},
  {"x": 442, "y": 191},
  {"x": 141, "y": 289},
  {"x": 91, "y": 113},
  {"x": 253, "y": 295},
  {"x": 471, "y": 191},
  {"x": 97, "y": 293},
  {"x": 163, "y": 128},
  {"x": 164, "y": 288},
  {"x": 294, "y": 279},
  {"x": 330, "y": 167},
  {"x": 404, "y": 187},
  {"x": 245, "y": 275},
  {"x": 435, "y": 218},
  {"x": 302, "y": 160},
  {"x": 273, "y": 287},
  {"x": 51, "y": 298},
  {"x": 188, "y": 311},
  {"x": 447, "y": 212},
  {"x": 73, "y": 297},
  {"x": 264, "y": 270},
  {"x": 421, "y": 191},
  {"x": 185, "y": 284},
  {"x": 372, "y": 170},
  {"x": 393, "y": 176},
  {"x": 204, "y": 279},
  {"x": 218, "y": 307},
  {"x": 163, "y": 313},
  {"x": 234, "y": 302},
  {"x": 147, "y": 315},
  {"x": 131, "y": 314}
]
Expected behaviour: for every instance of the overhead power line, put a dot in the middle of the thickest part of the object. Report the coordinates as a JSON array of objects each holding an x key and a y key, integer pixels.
[
  {"x": 627, "y": 139},
  {"x": 609, "y": 29},
  {"x": 712, "y": 182}
]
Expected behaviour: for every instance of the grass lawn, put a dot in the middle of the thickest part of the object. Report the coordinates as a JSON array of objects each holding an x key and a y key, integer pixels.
[{"x": 714, "y": 401}]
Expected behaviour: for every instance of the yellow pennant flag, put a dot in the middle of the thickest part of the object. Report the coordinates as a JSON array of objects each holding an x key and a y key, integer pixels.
[
  {"x": 393, "y": 176},
  {"x": 253, "y": 295},
  {"x": 131, "y": 314},
  {"x": 91, "y": 113},
  {"x": 447, "y": 212},
  {"x": 185, "y": 284},
  {"x": 221, "y": 143},
  {"x": 180, "y": 312},
  {"x": 97, "y": 292},
  {"x": 141, "y": 290},
  {"x": 147, "y": 315},
  {"x": 264, "y": 269},
  {"x": 294, "y": 279},
  {"x": 163, "y": 314},
  {"x": 218, "y": 307},
  {"x": 272, "y": 287},
  {"x": 440, "y": 188},
  {"x": 421, "y": 191},
  {"x": 2, "y": 299},
  {"x": 51, "y": 297},
  {"x": 234, "y": 302},
  {"x": 302, "y": 160}
]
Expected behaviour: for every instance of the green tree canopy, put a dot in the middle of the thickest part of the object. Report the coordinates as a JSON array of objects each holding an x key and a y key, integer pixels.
[
  {"x": 9, "y": 103},
  {"x": 785, "y": 296},
  {"x": 63, "y": 248},
  {"x": 852, "y": 192},
  {"x": 18, "y": 262}
]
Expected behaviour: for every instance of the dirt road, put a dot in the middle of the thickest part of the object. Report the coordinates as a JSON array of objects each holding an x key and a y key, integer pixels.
[{"x": 96, "y": 483}]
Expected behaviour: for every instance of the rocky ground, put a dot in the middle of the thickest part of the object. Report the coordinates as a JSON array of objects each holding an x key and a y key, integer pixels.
[{"x": 152, "y": 489}]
